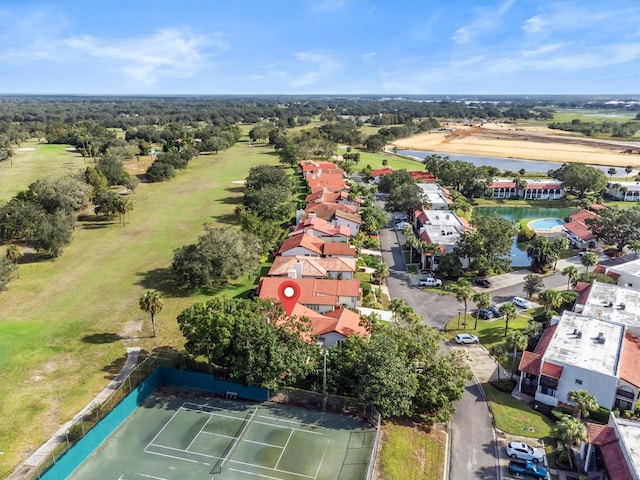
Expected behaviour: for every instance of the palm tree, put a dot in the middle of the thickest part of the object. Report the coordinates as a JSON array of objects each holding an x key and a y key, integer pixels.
[
  {"x": 428, "y": 249},
  {"x": 151, "y": 302},
  {"x": 483, "y": 300},
  {"x": 589, "y": 259},
  {"x": 624, "y": 191},
  {"x": 464, "y": 293},
  {"x": 551, "y": 299},
  {"x": 584, "y": 403},
  {"x": 518, "y": 341},
  {"x": 510, "y": 312},
  {"x": 400, "y": 309},
  {"x": 628, "y": 169},
  {"x": 560, "y": 243},
  {"x": 570, "y": 431},
  {"x": 13, "y": 255},
  {"x": 499, "y": 355},
  {"x": 542, "y": 253},
  {"x": 570, "y": 272},
  {"x": 611, "y": 172},
  {"x": 411, "y": 241},
  {"x": 381, "y": 273}
]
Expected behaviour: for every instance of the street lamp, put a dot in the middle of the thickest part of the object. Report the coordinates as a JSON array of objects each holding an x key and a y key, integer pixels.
[{"x": 324, "y": 379}]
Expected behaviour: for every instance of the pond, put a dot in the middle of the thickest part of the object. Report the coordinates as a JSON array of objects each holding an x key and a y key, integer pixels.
[{"x": 519, "y": 251}]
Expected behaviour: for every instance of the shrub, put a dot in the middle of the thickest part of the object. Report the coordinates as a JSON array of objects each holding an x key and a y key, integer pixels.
[
  {"x": 601, "y": 415},
  {"x": 504, "y": 385},
  {"x": 75, "y": 432},
  {"x": 525, "y": 234}
]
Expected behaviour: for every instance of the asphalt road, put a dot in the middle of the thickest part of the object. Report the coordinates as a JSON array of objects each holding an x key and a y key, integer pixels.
[{"x": 473, "y": 444}]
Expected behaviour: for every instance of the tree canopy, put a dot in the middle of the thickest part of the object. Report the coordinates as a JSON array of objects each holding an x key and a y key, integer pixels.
[
  {"x": 221, "y": 254},
  {"x": 580, "y": 178},
  {"x": 616, "y": 226}
]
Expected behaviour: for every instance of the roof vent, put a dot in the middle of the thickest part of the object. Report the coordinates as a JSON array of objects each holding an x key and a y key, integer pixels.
[
  {"x": 610, "y": 304},
  {"x": 579, "y": 334},
  {"x": 622, "y": 306},
  {"x": 600, "y": 338}
]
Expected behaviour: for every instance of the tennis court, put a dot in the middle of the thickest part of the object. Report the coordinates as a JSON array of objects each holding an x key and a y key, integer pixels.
[{"x": 185, "y": 437}]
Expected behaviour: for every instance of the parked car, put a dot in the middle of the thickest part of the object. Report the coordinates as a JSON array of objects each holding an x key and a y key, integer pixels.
[
  {"x": 400, "y": 226},
  {"x": 485, "y": 314},
  {"x": 528, "y": 469},
  {"x": 400, "y": 217},
  {"x": 523, "y": 451},
  {"x": 430, "y": 282},
  {"x": 521, "y": 302},
  {"x": 466, "y": 338},
  {"x": 483, "y": 282},
  {"x": 495, "y": 309}
]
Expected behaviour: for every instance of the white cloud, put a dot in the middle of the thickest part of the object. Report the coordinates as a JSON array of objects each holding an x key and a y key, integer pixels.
[
  {"x": 324, "y": 66},
  {"x": 564, "y": 17},
  {"x": 169, "y": 52},
  {"x": 486, "y": 20}
]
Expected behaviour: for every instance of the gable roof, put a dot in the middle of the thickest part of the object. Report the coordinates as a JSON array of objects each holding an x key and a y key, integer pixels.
[
  {"x": 350, "y": 217},
  {"x": 330, "y": 207},
  {"x": 422, "y": 176},
  {"x": 312, "y": 291},
  {"x": 530, "y": 363},
  {"x": 630, "y": 360},
  {"x": 346, "y": 323},
  {"x": 579, "y": 229},
  {"x": 614, "y": 459},
  {"x": 503, "y": 184},
  {"x": 339, "y": 249},
  {"x": 305, "y": 240},
  {"x": 381, "y": 171},
  {"x": 308, "y": 165},
  {"x": 582, "y": 215},
  {"x": 311, "y": 266},
  {"x": 551, "y": 370},
  {"x": 535, "y": 185},
  {"x": 322, "y": 226}
]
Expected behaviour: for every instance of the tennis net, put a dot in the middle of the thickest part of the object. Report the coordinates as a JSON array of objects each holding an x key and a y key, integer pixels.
[{"x": 220, "y": 464}]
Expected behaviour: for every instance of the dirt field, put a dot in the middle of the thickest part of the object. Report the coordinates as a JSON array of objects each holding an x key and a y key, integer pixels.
[{"x": 525, "y": 142}]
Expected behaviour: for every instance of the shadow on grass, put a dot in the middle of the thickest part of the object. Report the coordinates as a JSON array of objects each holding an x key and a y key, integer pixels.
[
  {"x": 231, "y": 200},
  {"x": 34, "y": 257},
  {"x": 228, "y": 218},
  {"x": 162, "y": 280},
  {"x": 113, "y": 369},
  {"x": 99, "y": 338}
]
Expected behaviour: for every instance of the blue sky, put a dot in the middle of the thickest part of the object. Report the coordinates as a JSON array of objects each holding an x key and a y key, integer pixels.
[{"x": 320, "y": 46}]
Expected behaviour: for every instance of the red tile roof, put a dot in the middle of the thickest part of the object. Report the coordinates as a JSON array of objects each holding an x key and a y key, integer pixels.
[
  {"x": 584, "y": 293},
  {"x": 322, "y": 226},
  {"x": 630, "y": 360},
  {"x": 597, "y": 206},
  {"x": 530, "y": 363},
  {"x": 331, "y": 207},
  {"x": 311, "y": 266},
  {"x": 545, "y": 338},
  {"x": 582, "y": 215},
  {"x": 600, "y": 269},
  {"x": 339, "y": 249},
  {"x": 579, "y": 229},
  {"x": 308, "y": 165},
  {"x": 503, "y": 184},
  {"x": 422, "y": 176},
  {"x": 612, "y": 455},
  {"x": 381, "y": 171},
  {"x": 305, "y": 240},
  {"x": 543, "y": 185},
  {"x": 312, "y": 291},
  {"x": 551, "y": 370},
  {"x": 347, "y": 323}
]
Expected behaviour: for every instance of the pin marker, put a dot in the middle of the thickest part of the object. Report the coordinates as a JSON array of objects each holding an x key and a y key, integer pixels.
[{"x": 289, "y": 292}]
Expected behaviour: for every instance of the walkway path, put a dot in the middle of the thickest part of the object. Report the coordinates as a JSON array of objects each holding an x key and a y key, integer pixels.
[{"x": 60, "y": 436}]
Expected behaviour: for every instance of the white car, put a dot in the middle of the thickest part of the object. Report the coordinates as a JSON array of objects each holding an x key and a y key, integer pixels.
[
  {"x": 400, "y": 226},
  {"x": 524, "y": 452},
  {"x": 466, "y": 338},
  {"x": 521, "y": 302},
  {"x": 430, "y": 282}
]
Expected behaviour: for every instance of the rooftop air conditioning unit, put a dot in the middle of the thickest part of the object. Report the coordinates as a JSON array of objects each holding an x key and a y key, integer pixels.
[{"x": 622, "y": 306}]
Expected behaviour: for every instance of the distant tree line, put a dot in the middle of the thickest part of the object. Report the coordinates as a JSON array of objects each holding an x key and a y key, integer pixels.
[{"x": 591, "y": 129}]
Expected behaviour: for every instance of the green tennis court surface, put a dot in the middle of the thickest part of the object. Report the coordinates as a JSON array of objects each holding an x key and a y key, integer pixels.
[{"x": 171, "y": 438}]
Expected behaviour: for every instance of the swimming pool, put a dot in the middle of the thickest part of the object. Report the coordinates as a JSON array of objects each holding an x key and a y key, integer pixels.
[{"x": 546, "y": 223}]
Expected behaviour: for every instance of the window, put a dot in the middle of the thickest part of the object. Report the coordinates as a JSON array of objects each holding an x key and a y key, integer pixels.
[
  {"x": 624, "y": 392},
  {"x": 578, "y": 381},
  {"x": 622, "y": 405}
]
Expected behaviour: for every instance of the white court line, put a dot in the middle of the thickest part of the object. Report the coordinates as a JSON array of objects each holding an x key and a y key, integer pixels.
[
  {"x": 289, "y": 428},
  {"x": 178, "y": 458},
  {"x": 284, "y": 420},
  {"x": 283, "y": 449},
  {"x": 326, "y": 445},
  {"x": 151, "y": 476},
  {"x": 183, "y": 451},
  {"x": 198, "y": 434},
  {"x": 164, "y": 426},
  {"x": 272, "y": 469},
  {"x": 255, "y": 474}
]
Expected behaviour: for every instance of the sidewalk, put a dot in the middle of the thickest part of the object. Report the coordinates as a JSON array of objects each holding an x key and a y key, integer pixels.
[{"x": 61, "y": 435}]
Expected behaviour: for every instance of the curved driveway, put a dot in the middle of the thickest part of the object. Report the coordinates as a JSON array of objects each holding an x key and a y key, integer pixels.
[{"x": 473, "y": 445}]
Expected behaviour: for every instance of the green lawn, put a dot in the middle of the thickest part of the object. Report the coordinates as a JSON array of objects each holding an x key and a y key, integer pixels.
[
  {"x": 46, "y": 161},
  {"x": 619, "y": 116},
  {"x": 412, "y": 453},
  {"x": 62, "y": 319},
  {"x": 489, "y": 332},
  {"x": 514, "y": 417}
]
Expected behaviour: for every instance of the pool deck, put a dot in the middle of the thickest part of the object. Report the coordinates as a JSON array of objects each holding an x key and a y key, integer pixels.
[{"x": 545, "y": 231}]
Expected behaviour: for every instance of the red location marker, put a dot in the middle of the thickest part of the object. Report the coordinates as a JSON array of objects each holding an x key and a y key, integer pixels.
[{"x": 289, "y": 292}]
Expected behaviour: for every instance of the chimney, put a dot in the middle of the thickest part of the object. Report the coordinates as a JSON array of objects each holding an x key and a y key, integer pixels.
[
  {"x": 291, "y": 273},
  {"x": 298, "y": 269},
  {"x": 312, "y": 215}
]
